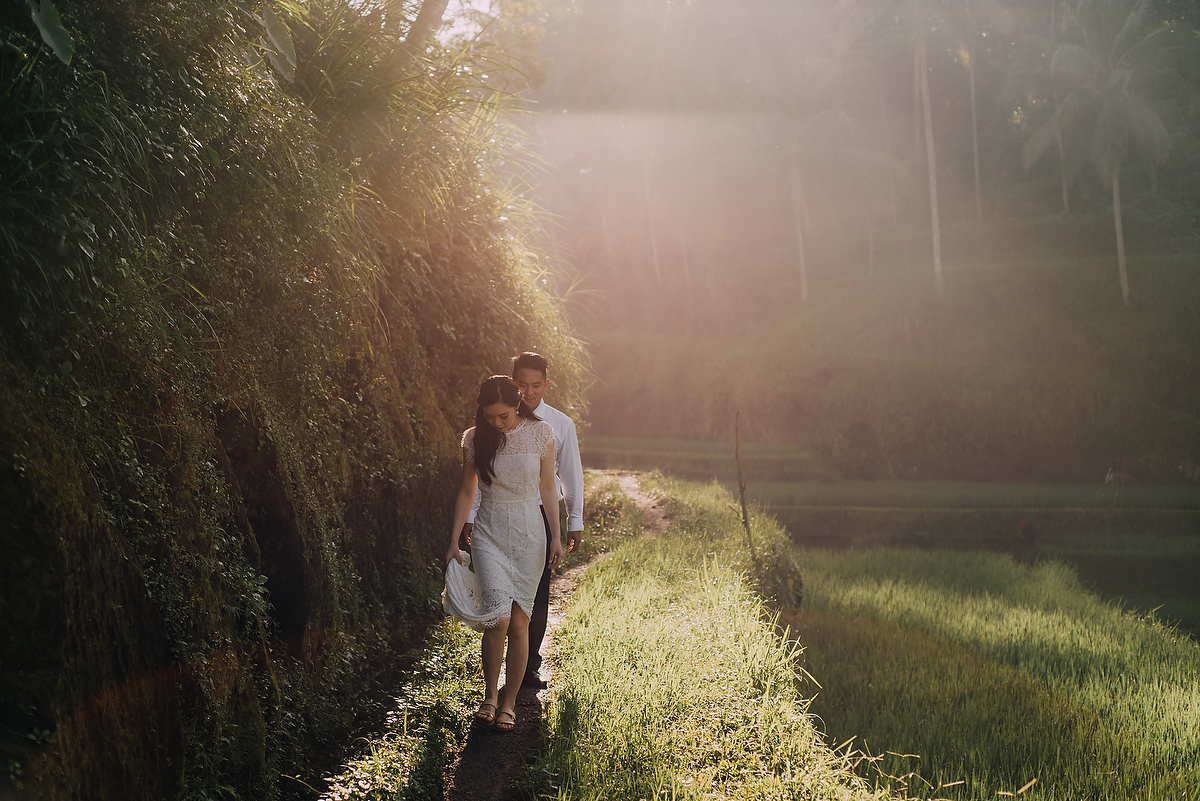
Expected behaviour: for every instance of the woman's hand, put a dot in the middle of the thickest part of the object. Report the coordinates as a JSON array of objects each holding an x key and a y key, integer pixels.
[
  {"x": 456, "y": 553},
  {"x": 556, "y": 552}
]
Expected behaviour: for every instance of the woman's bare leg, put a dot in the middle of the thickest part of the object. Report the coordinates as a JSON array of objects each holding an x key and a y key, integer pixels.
[
  {"x": 518, "y": 657},
  {"x": 493, "y": 657}
]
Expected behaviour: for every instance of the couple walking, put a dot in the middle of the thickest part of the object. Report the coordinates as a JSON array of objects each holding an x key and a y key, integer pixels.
[{"x": 519, "y": 459}]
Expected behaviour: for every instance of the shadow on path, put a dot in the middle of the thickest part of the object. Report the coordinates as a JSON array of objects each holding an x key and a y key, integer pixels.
[{"x": 491, "y": 759}]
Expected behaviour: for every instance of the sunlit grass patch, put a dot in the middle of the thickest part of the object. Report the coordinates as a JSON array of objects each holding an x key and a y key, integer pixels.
[
  {"x": 1138, "y": 676},
  {"x": 970, "y": 719},
  {"x": 423, "y": 732},
  {"x": 674, "y": 682},
  {"x": 674, "y": 686}
]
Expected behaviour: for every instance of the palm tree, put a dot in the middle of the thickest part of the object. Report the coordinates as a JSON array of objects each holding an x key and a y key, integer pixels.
[{"x": 1113, "y": 53}]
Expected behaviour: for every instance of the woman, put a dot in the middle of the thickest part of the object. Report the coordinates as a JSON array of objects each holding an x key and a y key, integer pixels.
[{"x": 512, "y": 452}]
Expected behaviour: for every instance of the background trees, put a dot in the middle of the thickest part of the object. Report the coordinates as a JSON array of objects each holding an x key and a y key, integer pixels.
[
  {"x": 746, "y": 114},
  {"x": 1114, "y": 55}
]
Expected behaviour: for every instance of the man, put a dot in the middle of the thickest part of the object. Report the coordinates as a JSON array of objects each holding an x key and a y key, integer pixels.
[{"x": 531, "y": 372}]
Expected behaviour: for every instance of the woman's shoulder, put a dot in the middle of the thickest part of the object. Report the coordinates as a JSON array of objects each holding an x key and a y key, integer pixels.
[
  {"x": 544, "y": 430},
  {"x": 468, "y": 436}
]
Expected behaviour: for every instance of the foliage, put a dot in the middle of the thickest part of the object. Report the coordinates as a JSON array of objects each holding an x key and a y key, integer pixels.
[
  {"x": 427, "y": 724},
  {"x": 241, "y": 320},
  {"x": 672, "y": 129}
]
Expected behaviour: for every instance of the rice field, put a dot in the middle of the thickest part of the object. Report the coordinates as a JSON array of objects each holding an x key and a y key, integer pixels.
[
  {"x": 1133, "y": 543},
  {"x": 1035, "y": 676},
  {"x": 676, "y": 686},
  {"x": 971, "y": 675}
]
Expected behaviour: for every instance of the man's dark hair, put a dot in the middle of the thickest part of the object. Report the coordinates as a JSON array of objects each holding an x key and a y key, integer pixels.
[{"x": 530, "y": 361}]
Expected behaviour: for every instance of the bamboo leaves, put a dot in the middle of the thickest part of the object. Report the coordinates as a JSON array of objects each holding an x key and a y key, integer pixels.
[
  {"x": 281, "y": 51},
  {"x": 277, "y": 42},
  {"x": 50, "y": 26}
]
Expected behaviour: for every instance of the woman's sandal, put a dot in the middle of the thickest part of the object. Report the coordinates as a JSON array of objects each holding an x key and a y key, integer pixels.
[
  {"x": 485, "y": 717},
  {"x": 506, "y": 725}
]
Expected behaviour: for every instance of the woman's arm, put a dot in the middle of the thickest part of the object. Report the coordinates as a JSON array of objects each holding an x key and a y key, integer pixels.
[
  {"x": 462, "y": 506},
  {"x": 550, "y": 504}
]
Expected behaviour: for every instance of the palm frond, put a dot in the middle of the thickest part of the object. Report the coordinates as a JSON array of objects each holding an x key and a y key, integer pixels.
[
  {"x": 1145, "y": 127},
  {"x": 1131, "y": 29},
  {"x": 1074, "y": 64},
  {"x": 1039, "y": 143}
]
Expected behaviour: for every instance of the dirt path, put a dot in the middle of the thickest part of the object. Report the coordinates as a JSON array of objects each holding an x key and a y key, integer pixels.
[
  {"x": 489, "y": 761},
  {"x": 652, "y": 518}
]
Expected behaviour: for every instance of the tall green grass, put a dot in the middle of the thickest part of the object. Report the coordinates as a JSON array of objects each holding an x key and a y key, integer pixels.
[
  {"x": 974, "y": 495},
  {"x": 986, "y": 672},
  {"x": 675, "y": 684},
  {"x": 1094, "y": 661},
  {"x": 424, "y": 729}
]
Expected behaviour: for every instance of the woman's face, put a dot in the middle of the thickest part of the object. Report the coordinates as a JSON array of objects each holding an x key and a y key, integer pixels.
[{"x": 501, "y": 416}]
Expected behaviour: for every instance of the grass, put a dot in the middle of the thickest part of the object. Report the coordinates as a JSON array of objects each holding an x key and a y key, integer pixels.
[
  {"x": 1026, "y": 368},
  {"x": 702, "y": 460},
  {"x": 959, "y": 675},
  {"x": 968, "y": 717},
  {"x": 430, "y": 720},
  {"x": 973, "y": 495},
  {"x": 995, "y": 673},
  {"x": 675, "y": 684},
  {"x": 894, "y": 632},
  {"x": 1138, "y": 544}
]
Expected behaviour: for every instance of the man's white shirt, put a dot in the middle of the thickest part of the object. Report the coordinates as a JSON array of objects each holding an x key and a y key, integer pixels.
[{"x": 568, "y": 469}]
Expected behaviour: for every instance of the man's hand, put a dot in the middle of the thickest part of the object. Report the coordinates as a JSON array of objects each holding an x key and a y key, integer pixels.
[
  {"x": 574, "y": 540},
  {"x": 464, "y": 538}
]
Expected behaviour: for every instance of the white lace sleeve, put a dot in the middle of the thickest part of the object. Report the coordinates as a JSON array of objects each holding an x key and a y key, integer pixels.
[
  {"x": 546, "y": 439},
  {"x": 468, "y": 443}
]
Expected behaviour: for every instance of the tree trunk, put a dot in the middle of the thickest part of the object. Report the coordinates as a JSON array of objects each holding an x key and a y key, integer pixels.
[
  {"x": 1062, "y": 159},
  {"x": 1120, "y": 236},
  {"x": 687, "y": 270},
  {"x": 929, "y": 158},
  {"x": 871, "y": 250},
  {"x": 428, "y": 20},
  {"x": 916, "y": 104},
  {"x": 797, "y": 191},
  {"x": 975, "y": 140},
  {"x": 887, "y": 138}
]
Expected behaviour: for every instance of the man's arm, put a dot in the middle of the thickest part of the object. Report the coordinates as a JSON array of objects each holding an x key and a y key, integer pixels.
[{"x": 570, "y": 473}]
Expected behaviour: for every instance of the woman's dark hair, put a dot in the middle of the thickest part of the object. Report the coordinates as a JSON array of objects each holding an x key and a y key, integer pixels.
[{"x": 497, "y": 389}]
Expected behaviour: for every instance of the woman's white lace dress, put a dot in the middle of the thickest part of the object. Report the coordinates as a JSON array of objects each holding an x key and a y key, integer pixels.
[{"x": 509, "y": 541}]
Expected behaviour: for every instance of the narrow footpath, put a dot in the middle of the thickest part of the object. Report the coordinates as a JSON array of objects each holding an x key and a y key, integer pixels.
[{"x": 489, "y": 760}]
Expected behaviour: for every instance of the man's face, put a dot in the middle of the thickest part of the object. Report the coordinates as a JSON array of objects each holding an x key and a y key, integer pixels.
[{"x": 532, "y": 384}]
